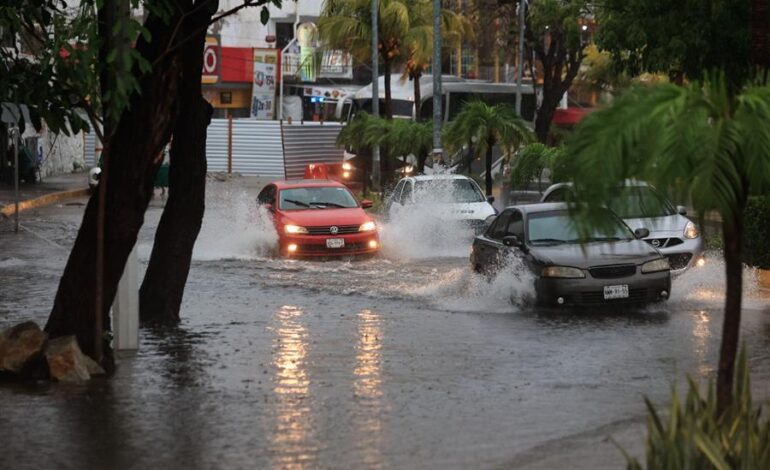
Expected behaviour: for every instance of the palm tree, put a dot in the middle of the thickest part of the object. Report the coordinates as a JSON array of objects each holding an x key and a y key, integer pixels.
[
  {"x": 347, "y": 24},
  {"x": 711, "y": 145},
  {"x": 419, "y": 42},
  {"x": 487, "y": 126}
]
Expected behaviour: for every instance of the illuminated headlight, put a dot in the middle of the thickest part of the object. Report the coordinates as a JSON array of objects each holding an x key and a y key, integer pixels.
[
  {"x": 347, "y": 166},
  {"x": 691, "y": 231},
  {"x": 563, "y": 272},
  {"x": 346, "y": 174},
  {"x": 367, "y": 227},
  {"x": 655, "y": 266},
  {"x": 294, "y": 229}
]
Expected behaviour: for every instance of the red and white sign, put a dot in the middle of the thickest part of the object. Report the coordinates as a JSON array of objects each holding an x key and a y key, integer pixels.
[{"x": 211, "y": 61}]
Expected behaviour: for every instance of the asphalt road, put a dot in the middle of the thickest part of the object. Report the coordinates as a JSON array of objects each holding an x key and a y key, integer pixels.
[{"x": 406, "y": 360}]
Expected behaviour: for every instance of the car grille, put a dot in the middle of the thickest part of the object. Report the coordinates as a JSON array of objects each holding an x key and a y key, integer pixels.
[
  {"x": 322, "y": 248},
  {"x": 326, "y": 229},
  {"x": 664, "y": 242},
  {"x": 597, "y": 297},
  {"x": 610, "y": 272},
  {"x": 679, "y": 260}
]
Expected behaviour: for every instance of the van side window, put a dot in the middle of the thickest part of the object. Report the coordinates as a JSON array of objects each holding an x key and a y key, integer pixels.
[{"x": 557, "y": 195}]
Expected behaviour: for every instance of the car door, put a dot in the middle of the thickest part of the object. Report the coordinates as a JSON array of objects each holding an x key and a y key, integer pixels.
[{"x": 488, "y": 248}]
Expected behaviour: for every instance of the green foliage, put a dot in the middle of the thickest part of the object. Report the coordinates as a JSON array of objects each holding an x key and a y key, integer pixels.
[
  {"x": 531, "y": 160},
  {"x": 400, "y": 137},
  {"x": 685, "y": 37},
  {"x": 756, "y": 243},
  {"x": 708, "y": 146},
  {"x": 693, "y": 437},
  {"x": 487, "y": 126}
]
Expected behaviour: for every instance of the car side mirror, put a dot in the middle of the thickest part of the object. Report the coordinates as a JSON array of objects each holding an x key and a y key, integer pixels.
[
  {"x": 490, "y": 199},
  {"x": 366, "y": 204},
  {"x": 682, "y": 210},
  {"x": 641, "y": 233},
  {"x": 513, "y": 241},
  {"x": 269, "y": 206}
]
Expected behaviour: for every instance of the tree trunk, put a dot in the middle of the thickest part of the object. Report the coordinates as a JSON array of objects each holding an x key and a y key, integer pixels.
[
  {"x": 160, "y": 295},
  {"x": 545, "y": 114},
  {"x": 417, "y": 95},
  {"x": 488, "y": 177},
  {"x": 139, "y": 136},
  {"x": 386, "y": 65},
  {"x": 732, "y": 229}
]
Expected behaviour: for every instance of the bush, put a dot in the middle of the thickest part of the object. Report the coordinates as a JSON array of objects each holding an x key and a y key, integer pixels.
[
  {"x": 756, "y": 235},
  {"x": 692, "y": 437}
]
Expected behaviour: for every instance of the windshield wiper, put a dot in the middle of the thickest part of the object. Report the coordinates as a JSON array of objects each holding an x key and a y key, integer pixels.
[
  {"x": 605, "y": 239},
  {"x": 547, "y": 240},
  {"x": 330, "y": 204},
  {"x": 297, "y": 203}
]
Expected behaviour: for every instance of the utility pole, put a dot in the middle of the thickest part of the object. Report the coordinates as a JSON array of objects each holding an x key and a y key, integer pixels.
[
  {"x": 436, "y": 69},
  {"x": 16, "y": 137},
  {"x": 520, "y": 68},
  {"x": 375, "y": 91}
]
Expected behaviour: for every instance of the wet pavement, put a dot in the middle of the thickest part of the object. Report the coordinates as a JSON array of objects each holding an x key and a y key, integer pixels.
[{"x": 406, "y": 360}]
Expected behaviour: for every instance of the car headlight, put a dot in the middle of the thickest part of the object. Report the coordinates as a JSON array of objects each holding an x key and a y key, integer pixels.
[
  {"x": 691, "y": 230},
  {"x": 367, "y": 226},
  {"x": 347, "y": 166},
  {"x": 563, "y": 272},
  {"x": 655, "y": 266},
  {"x": 294, "y": 229}
]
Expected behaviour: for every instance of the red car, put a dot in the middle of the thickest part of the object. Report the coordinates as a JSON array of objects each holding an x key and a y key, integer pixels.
[{"x": 319, "y": 218}]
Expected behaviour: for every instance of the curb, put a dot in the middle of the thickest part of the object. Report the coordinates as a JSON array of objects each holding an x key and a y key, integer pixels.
[{"x": 41, "y": 201}]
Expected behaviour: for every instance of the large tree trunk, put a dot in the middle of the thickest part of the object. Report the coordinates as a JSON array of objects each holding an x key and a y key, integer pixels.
[
  {"x": 732, "y": 229},
  {"x": 160, "y": 296},
  {"x": 417, "y": 95},
  {"x": 545, "y": 114},
  {"x": 386, "y": 65},
  {"x": 132, "y": 152}
]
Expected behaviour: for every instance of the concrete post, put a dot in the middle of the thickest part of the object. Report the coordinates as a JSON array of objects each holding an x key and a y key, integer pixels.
[{"x": 125, "y": 309}]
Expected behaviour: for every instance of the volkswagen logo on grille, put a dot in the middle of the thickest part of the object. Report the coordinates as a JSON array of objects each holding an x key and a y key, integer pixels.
[
  {"x": 656, "y": 243},
  {"x": 334, "y": 229}
]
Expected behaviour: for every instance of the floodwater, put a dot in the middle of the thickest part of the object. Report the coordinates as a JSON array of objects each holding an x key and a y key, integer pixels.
[{"x": 405, "y": 360}]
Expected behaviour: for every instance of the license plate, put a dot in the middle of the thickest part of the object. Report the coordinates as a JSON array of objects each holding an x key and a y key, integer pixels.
[
  {"x": 616, "y": 292},
  {"x": 335, "y": 242}
]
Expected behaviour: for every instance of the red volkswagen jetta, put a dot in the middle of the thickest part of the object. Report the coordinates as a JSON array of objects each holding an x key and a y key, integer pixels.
[{"x": 319, "y": 218}]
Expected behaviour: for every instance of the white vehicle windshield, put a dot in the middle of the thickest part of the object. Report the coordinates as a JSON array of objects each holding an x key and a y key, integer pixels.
[
  {"x": 447, "y": 191},
  {"x": 556, "y": 227},
  {"x": 316, "y": 198},
  {"x": 638, "y": 202}
]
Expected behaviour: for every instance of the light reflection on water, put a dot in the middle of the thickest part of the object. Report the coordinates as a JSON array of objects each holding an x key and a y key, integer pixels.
[
  {"x": 292, "y": 442},
  {"x": 368, "y": 387}
]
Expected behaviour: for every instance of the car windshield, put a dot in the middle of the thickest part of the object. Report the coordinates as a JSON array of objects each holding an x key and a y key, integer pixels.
[
  {"x": 637, "y": 202},
  {"x": 316, "y": 198},
  {"x": 557, "y": 227},
  {"x": 447, "y": 191}
]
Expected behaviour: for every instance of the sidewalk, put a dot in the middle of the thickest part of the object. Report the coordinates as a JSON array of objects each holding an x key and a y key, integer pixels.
[{"x": 50, "y": 190}]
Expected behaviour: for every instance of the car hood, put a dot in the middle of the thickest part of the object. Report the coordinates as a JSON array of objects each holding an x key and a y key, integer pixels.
[
  {"x": 595, "y": 254},
  {"x": 670, "y": 225},
  {"x": 322, "y": 217}
]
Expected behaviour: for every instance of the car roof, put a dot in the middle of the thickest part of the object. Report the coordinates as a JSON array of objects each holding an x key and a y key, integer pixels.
[
  {"x": 626, "y": 183},
  {"x": 303, "y": 183},
  {"x": 437, "y": 177},
  {"x": 540, "y": 207}
]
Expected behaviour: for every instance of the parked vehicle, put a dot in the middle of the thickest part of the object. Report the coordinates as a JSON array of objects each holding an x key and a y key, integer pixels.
[
  {"x": 342, "y": 172},
  {"x": 641, "y": 206},
  {"x": 611, "y": 266},
  {"x": 319, "y": 218},
  {"x": 450, "y": 198}
]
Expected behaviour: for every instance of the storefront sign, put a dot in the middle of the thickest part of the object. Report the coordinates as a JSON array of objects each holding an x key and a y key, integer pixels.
[
  {"x": 264, "y": 83},
  {"x": 211, "y": 61}
]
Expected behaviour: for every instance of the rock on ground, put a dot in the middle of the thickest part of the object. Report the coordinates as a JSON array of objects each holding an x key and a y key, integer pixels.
[
  {"x": 67, "y": 363},
  {"x": 19, "y": 345}
]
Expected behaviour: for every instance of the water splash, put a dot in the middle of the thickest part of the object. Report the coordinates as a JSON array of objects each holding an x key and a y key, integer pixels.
[
  {"x": 234, "y": 227},
  {"x": 707, "y": 283}
]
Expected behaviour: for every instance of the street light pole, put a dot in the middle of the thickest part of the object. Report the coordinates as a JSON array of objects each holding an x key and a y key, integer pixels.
[
  {"x": 436, "y": 69},
  {"x": 520, "y": 68},
  {"x": 375, "y": 91}
]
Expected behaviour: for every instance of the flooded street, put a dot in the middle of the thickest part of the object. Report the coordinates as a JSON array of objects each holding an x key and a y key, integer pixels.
[{"x": 404, "y": 360}]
